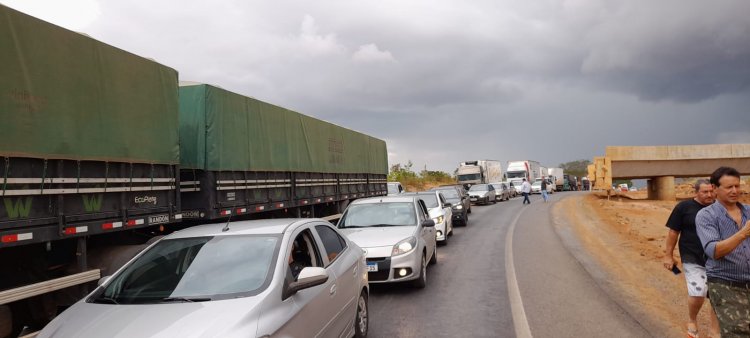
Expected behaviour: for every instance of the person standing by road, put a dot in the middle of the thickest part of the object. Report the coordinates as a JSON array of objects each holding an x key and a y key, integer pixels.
[
  {"x": 526, "y": 190},
  {"x": 724, "y": 229},
  {"x": 681, "y": 224},
  {"x": 544, "y": 190}
]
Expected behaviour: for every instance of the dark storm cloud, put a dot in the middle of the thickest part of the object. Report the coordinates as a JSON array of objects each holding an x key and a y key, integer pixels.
[{"x": 447, "y": 81}]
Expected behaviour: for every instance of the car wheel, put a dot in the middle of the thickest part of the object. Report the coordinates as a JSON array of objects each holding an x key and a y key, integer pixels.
[
  {"x": 362, "y": 321},
  {"x": 421, "y": 281},
  {"x": 433, "y": 260}
]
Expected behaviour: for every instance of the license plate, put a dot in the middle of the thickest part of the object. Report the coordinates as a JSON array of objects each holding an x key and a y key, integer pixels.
[
  {"x": 372, "y": 267},
  {"x": 158, "y": 219}
]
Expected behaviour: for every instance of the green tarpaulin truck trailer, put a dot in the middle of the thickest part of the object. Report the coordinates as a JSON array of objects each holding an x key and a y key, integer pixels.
[
  {"x": 88, "y": 146},
  {"x": 240, "y": 156}
]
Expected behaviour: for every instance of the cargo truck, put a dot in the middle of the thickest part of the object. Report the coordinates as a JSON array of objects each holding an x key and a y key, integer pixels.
[
  {"x": 557, "y": 175},
  {"x": 479, "y": 172},
  {"x": 243, "y": 157},
  {"x": 89, "y": 156},
  {"x": 518, "y": 170},
  {"x": 94, "y": 141}
]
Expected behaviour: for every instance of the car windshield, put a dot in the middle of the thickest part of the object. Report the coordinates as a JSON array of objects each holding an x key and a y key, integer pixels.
[
  {"x": 195, "y": 269},
  {"x": 479, "y": 187},
  {"x": 379, "y": 215},
  {"x": 514, "y": 174},
  {"x": 392, "y": 189},
  {"x": 536, "y": 184}
]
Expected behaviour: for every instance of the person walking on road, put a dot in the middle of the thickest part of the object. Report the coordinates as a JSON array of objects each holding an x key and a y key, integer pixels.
[
  {"x": 544, "y": 190},
  {"x": 724, "y": 229},
  {"x": 526, "y": 190},
  {"x": 681, "y": 224}
]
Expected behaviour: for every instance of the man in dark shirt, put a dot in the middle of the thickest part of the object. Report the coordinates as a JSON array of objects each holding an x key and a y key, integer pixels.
[{"x": 681, "y": 223}]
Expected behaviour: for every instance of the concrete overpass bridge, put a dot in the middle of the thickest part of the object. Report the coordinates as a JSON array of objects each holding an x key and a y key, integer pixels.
[{"x": 662, "y": 164}]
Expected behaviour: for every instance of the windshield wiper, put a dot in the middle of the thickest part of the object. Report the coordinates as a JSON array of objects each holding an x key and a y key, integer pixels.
[
  {"x": 105, "y": 300},
  {"x": 184, "y": 299}
]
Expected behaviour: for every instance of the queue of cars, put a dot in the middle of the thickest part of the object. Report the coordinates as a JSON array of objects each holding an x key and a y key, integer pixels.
[{"x": 274, "y": 277}]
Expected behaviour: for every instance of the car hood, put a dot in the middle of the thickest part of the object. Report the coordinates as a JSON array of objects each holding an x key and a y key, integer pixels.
[
  {"x": 374, "y": 237},
  {"x": 478, "y": 193},
  {"x": 224, "y": 318}
]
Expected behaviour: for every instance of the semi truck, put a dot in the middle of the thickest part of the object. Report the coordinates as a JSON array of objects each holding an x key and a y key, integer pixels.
[
  {"x": 100, "y": 147},
  {"x": 479, "y": 172},
  {"x": 258, "y": 157},
  {"x": 557, "y": 174},
  {"x": 518, "y": 170}
]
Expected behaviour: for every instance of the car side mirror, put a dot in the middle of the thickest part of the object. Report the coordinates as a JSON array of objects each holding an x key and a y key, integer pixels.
[
  {"x": 448, "y": 205},
  {"x": 307, "y": 278},
  {"x": 428, "y": 223},
  {"x": 103, "y": 280}
]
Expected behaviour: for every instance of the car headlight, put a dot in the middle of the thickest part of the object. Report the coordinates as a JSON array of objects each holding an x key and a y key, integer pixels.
[
  {"x": 458, "y": 207},
  {"x": 439, "y": 219},
  {"x": 404, "y": 246}
]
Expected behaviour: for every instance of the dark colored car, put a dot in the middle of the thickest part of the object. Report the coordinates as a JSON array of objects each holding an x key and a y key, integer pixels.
[{"x": 459, "y": 200}]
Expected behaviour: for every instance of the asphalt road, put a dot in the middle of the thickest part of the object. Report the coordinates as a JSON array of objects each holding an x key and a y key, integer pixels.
[{"x": 467, "y": 291}]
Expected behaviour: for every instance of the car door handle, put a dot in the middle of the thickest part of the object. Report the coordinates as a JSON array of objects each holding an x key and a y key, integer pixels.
[{"x": 333, "y": 289}]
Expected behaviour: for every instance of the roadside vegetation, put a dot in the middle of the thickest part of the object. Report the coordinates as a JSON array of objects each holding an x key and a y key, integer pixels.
[{"x": 420, "y": 181}]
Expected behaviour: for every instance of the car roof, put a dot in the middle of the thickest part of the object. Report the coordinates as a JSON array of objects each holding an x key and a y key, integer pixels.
[
  {"x": 275, "y": 226},
  {"x": 385, "y": 199}
]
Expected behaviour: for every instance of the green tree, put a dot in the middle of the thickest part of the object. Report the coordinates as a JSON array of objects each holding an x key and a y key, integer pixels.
[{"x": 576, "y": 168}]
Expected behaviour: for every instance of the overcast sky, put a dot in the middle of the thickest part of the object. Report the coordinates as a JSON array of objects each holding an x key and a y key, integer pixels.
[{"x": 449, "y": 81}]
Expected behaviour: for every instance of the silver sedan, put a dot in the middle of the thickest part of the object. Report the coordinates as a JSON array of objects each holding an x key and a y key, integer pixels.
[
  {"x": 397, "y": 234},
  {"x": 265, "y": 278}
]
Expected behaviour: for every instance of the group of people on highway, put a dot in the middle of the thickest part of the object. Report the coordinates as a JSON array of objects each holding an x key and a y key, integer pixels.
[{"x": 713, "y": 230}]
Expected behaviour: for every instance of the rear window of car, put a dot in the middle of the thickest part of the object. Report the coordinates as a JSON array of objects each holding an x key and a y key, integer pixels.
[
  {"x": 449, "y": 193},
  {"x": 430, "y": 200}
]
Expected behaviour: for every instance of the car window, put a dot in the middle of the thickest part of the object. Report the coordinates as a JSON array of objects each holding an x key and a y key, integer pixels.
[
  {"x": 429, "y": 199},
  {"x": 423, "y": 215},
  {"x": 332, "y": 242},
  {"x": 479, "y": 187},
  {"x": 303, "y": 253},
  {"x": 442, "y": 199}
]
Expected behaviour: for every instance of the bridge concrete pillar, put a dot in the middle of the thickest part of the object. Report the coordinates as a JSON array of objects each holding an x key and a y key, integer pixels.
[{"x": 661, "y": 188}]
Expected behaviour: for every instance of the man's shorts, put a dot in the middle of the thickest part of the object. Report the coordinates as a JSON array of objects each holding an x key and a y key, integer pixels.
[
  {"x": 695, "y": 276},
  {"x": 732, "y": 306}
]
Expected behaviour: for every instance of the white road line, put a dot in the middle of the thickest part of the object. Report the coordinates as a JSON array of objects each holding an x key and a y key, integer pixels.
[{"x": 520, "y": 323}]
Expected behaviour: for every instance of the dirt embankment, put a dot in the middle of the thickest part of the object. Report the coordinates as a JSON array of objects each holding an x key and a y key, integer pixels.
[{"x": 625, "y": 236}]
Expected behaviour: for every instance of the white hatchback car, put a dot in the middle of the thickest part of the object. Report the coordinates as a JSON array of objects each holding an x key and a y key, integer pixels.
[
  {"x": 440, "y": 211},
  {"x": 397, "y": 234}
]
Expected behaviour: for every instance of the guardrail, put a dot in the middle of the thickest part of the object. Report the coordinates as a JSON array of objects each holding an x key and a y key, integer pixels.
[{"x": 27, "y": 291}]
